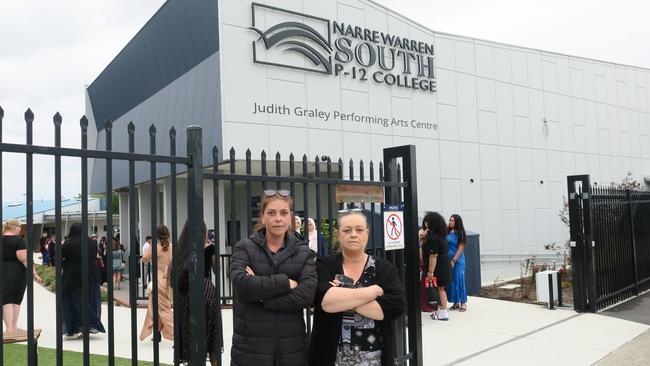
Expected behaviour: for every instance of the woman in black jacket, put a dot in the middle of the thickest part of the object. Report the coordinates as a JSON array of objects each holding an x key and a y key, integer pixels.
[
  {"x": 357, "y": 296},
  {"x": 274, "y": 278},
  {"x": 72, "y": 258}
]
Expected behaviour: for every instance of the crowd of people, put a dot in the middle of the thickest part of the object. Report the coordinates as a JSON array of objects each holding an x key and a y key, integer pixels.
[{"x": 277, "y": 272}]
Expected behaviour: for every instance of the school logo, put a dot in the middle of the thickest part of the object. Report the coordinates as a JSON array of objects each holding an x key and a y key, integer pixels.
[
  {"x": 298, "y": 41},
  {"x": 305, "y": 42}
]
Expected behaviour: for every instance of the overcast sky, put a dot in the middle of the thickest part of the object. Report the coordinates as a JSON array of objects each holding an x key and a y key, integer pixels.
[{"x": 49, "y": 50}]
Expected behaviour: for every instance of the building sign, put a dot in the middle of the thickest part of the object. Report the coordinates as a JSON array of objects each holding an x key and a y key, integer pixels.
[
  {"x": 358, "y": 193},
  {"x": 309, "y": 43},
  {"x": 393, "y": 227}
]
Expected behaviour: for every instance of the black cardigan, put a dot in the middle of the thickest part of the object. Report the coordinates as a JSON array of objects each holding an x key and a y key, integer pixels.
[{"x": 327, "y": 327}]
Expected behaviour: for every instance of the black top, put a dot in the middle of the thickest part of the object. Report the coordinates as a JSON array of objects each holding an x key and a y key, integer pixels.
[
  {"x": 14, "y": 278},
  {"x": 327, "y": 327},
  {"x": 435, "y": 244},
  {"x": 268, "y": 319},
  {"x": 11, "y": 244},
  {"x": 72, "y": 263}
]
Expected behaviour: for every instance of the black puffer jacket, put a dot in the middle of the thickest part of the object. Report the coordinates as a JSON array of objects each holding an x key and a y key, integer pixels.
[{"x": 268, "y": 322}]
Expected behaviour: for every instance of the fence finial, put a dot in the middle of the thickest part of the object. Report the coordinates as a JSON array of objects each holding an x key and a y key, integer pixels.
[
  {"x": 152, "y": 129},
  {"x": 57, "y": 119},
  {"x": 130, "y": 127},
  {"x": 2, "y": 113},
  {"x": 29, "y": 116},
  {"x": 108, "y": 126},
  {"x": 83, "y": 122}
]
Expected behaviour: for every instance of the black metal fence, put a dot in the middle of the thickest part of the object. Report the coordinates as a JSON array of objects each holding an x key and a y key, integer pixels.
[
  {"x": 610, "y": 243},
  {"x": 311, "y": 182},
  {"x": 83, "y": 153}
]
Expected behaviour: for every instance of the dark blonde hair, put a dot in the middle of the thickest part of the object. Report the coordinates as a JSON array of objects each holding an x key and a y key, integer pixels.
[
  {"x": 162, "y": 235},
  {"x": 11, "y": 224},
  {"x": 265, "y": 202}
]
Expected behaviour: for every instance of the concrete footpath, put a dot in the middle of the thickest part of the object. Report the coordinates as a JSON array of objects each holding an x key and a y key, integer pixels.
[{"x": 491, "y": 332}]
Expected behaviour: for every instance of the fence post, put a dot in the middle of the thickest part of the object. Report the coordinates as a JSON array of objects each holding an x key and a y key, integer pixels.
[
  {"x": 588, "y": 214},
  {"x": 578, "y": 244},
  {"x": 407, "y": 153},
  {"x": 196, "y": 240},
  {"x": 632, "y": 234}
]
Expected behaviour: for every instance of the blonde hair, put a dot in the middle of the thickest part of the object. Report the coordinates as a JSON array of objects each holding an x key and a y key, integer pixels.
[
  {"x": 11, "y": 224},
  {"x": 265, "y": 202}
]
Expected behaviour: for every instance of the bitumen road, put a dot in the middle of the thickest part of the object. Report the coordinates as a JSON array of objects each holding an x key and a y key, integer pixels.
[{"x": 637, "y": 351}]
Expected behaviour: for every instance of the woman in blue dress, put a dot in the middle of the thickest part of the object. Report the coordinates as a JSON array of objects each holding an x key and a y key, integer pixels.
[{"x": 456, "y": 291}]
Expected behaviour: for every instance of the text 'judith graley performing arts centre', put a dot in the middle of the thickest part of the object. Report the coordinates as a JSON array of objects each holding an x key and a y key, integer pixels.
[{"x": 497, "y": 128}]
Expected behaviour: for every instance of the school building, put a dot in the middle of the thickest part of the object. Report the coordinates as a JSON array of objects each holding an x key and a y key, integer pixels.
[{"x": 497, "y": 127}]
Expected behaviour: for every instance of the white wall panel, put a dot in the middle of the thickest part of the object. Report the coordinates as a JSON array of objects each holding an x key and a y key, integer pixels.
[
  {"x": 577, "y": 82},
  {"x": 448, "y": 119},
  {"x": 551, "y": 106},
  {"x": 508, "y": 176},
  {"x": 505, "y": 121},
  {"x": 535, "y": 78},
  {"x": 489, "y": 162},
  {"x": 540, "y": 194},
  {"x": 563, "y": 75},
  {"x": 542, "y": 228},
  {"x": 554, "y": 141},
  {"x": 519, "y": 67},
  {"x": 484, "y": 60},
  {"x": 470, "y": 170},
  {"x": 445, "y": 53},
  {"x": 488, "y": 129},
  {"x": 510, "y": 231},
  {"x": 520, "y": 101},
  {"x": 486, "y": 95},
  {"x": 589, "y": 79},
  {"x": 549, "y": 74},
  {"x": 526, "y": 213},
  {"x": 522, "y": 131},
  {"x": 491, "y": 232},
  {"x": 601, "y": 88},
  {"x": 446, "y": 86},
  {"x": 451, "y": 195},
  {"x": 524, "y": 164},
  {"x": 502, "y": 64},
  {"x": 467, "y": 115},
  {"x": 465, "y": 57},
  {"x": 555, "y": 166},
  {"x": 450, "y": 159}
]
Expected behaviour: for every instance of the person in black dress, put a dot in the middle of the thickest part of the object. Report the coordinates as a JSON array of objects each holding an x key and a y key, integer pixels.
[
  {"x": 213, "y": 335},
  {"x": 72, "y": 258},
  {"x": 14, "y": 279},
  {"x": 436, "y": 259}
]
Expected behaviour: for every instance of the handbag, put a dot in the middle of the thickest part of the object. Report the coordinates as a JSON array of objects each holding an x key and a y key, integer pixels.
[{"x": 433, "y": 297}]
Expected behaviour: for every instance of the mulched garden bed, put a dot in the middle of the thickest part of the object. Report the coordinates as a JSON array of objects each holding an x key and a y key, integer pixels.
[{"x": 525, "y": 291}]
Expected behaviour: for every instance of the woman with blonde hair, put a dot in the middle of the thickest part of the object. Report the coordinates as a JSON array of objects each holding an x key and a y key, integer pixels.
[
  {"x": 163, "y": 252},
  {"x": 357, "y": 296},
  {"x": 274, "y": 278},
  {"x": 14, "y": 280}
]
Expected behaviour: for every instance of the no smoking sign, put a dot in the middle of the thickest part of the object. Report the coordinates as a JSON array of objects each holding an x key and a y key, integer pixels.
[{"x": 393, "y": 227}]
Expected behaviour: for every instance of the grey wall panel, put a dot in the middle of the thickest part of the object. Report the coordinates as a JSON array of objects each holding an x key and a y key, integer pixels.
[
  {"x": 192, "y": 99},
  {"x": 179, "y": 36}
]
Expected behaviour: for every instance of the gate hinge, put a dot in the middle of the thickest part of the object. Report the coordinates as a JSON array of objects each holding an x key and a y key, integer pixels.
[{"x": 572, "y": 243}]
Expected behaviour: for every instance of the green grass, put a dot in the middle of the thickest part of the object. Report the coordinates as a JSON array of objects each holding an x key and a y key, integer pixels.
[{"x": 16, "y": 354}]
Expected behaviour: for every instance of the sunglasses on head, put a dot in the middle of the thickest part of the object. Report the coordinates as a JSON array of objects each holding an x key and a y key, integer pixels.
[{"x": 279, "y": 192}]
